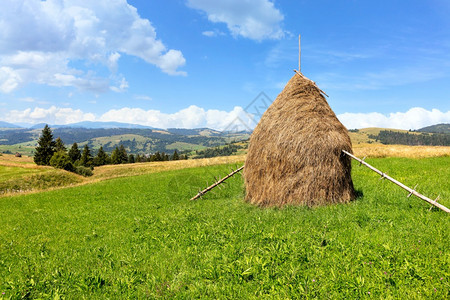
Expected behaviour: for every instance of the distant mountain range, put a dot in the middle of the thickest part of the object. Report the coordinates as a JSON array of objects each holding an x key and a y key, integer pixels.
[
  {"x": 438, "y": 128},
  {"x": 140, "y": 139},
  {"x": 8, "y": 125},
  {"x": 93, "y": 125}
]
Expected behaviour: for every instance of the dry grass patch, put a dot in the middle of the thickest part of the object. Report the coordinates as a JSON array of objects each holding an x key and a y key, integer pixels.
[
  {"x": 376, "y": 150},
  {"x": 9, "y": 160},
  {"x": 113, "y": 171}
]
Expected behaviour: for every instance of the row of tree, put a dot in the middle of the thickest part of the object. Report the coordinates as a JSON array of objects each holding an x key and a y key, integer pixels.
[
  {"x": 227, "y": 150},
  {"x": 54, "y": 153}
]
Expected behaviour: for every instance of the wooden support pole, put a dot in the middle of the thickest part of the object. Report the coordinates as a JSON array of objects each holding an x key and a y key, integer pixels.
[
  {"x": 201, "y": 193},
  {"x": 410, "y": 190},
  {"x": 299, "y": 54}
]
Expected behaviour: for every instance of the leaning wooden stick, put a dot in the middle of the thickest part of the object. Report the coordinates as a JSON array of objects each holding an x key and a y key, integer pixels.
[
  {"x": 410, "y": 190},
  {"x": 201, "y": 193}
]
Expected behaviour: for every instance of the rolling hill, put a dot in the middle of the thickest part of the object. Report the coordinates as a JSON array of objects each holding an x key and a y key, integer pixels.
[
  {"x": 8, "y": 125},
  {"x": 143, "y": 140},
  {"x": 399, "y": 137},
  {"x": 439, "y": 128},
  {"x": 135, "y": 140}
]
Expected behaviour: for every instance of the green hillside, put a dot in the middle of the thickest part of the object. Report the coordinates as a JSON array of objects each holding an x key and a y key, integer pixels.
[
  {"x": 439, "y": 128},
  {"x": 400, "y": 137},
  {"x": 135, "y": 140},
  {"x": 144, "y": 140},
  {"x": 140, "y": 237}
]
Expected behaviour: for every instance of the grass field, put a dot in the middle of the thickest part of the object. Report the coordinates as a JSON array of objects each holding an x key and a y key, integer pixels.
[
  {"x": 11, "y": 172},
  {"x": 22, "y": 175},
  {"x": 140, "y": 237},
  {"x": 21, "y": 148}
]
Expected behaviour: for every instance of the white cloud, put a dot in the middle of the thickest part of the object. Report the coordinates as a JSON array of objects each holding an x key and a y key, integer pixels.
[
  {"x": 236, "y": 119},
  {"x": 52, "y": 115},
  {"x": 143, "y": 97},
  {"x": 254, "y": 19},
  {"x": 33, "y": 100},
  {"x": 122, "y": 86},
  {"x": 170, "y": 61},
  {"x": 27, "y": 99},
  {"x": 415, "y": 118},
  {"x": 212, "y": 33},
  {"x": 39, "y": 39},
  {"x": 9, "y": 79},
  {"x": 113, "y": 60},
  {"x": 209, "y": 33},
  {"x": 191, "y": 117}
]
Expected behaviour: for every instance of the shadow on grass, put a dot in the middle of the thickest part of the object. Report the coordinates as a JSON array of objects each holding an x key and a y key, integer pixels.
[{"x": 359, "y": 195}]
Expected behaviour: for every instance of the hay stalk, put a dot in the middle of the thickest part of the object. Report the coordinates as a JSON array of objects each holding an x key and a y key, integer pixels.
[
  {"x": 201, "y": 193},
  {"x": 410, "y": 190}
]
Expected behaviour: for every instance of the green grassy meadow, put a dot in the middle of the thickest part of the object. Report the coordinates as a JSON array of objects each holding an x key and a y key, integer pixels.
[
  {"x": 140, "y": 237},
  {"x": 23, "y": 149},
  {"x": 12, "y": 172}
]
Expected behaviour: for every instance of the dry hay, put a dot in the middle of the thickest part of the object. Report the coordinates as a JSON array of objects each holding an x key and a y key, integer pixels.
[{"x": 295, "y": 154}]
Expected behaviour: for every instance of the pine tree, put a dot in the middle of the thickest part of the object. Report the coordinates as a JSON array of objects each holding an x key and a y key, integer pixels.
[
  {"x": 156, "y": 156},
  {"x": 46, "y": 147},
  {"x": 123, "y": 157},
  {"x": 164, "y": 156},
  {"x": 101, "y": 158},
  {"x": 115, "y": 156},
  {"x": 74, "y": 153},
  {"x": 131, "y": 159},
  {"x": 59, "y": 145},
  {"x": 175, "y": 155},
  {"x": 86, "y": 157}
]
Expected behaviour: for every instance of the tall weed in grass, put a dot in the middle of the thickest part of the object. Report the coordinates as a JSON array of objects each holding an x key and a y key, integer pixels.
[{"x": 140, "y": 237}]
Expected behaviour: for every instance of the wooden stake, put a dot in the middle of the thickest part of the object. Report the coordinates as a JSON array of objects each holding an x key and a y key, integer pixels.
[
  {"x": 299, "y": 54},
  {"x": 201, "y": 193},
  {"x": 431, "y": 207},
  {"x": 413, "y": 192}
]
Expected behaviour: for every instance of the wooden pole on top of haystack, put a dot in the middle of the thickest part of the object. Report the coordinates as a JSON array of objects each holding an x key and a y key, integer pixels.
[{"x": 299, "y": 53}]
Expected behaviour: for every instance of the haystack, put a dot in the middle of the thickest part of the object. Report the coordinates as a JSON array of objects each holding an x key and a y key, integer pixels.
[{"x": 295, "y": 153}]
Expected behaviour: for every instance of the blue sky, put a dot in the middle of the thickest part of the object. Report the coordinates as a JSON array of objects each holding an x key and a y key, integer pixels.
[{"x": 198, "y": 63}]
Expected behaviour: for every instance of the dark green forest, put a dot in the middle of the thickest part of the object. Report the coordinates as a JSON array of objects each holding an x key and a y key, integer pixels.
[{"x": 217, "y": 151}]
